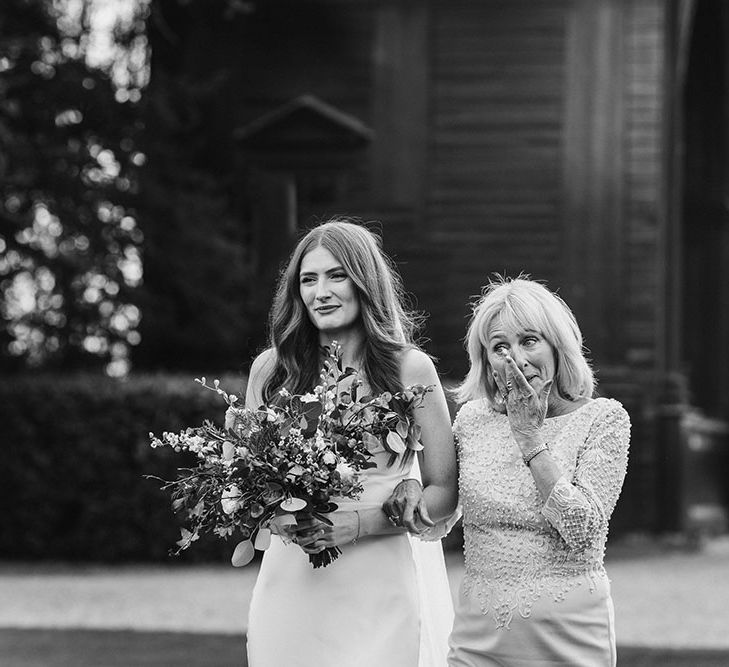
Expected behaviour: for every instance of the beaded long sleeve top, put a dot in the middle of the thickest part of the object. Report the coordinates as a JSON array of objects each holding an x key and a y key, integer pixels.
[{"x": 518, "y": 547}]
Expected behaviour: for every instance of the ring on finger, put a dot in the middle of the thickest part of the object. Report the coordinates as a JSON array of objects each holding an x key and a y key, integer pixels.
[{"x": 393, "y": 520}]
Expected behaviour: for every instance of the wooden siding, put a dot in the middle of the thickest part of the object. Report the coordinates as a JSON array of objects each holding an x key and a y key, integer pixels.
[
  {"x": 645, "y": 267},
  {"x": 593, "y": 175},
  {"x": 644, "y": 185},
  {"x": 496, "y": 113}
]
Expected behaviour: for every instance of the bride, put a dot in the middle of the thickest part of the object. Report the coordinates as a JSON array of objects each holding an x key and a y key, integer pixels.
[{"x": 385, "y": 601}]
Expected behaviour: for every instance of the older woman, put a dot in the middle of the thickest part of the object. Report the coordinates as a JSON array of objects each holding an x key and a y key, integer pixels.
[{"x": 541, "y": 467}]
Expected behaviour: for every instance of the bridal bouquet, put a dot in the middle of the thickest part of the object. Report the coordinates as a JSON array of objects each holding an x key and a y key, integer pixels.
[{"x": 266, "y": 466}]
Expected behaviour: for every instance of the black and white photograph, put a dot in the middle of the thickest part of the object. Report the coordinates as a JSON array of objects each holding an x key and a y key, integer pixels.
[{"x": 364, "y": 333}]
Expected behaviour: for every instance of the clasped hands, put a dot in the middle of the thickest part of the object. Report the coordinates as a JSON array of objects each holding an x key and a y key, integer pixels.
[{"x": 314, "y": 535}]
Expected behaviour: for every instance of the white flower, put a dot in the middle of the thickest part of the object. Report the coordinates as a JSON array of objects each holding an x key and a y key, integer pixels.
[
  {"x": 230, "y": 500},
  {"x": 295, "y": 471},
  {"x": 329, "y": 457},
  {"x": 309, "y": 398},
  {"x": 346, "y": 472}
]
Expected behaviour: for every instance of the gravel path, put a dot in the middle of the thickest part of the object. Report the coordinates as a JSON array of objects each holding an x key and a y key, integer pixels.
[{"x": 663, "y": 598}]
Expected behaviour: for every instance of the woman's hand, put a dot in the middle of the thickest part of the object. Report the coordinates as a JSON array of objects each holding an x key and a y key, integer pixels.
[
  {"x": 313, "y": 535},
  {"x": 526, "y": 405},
  {"x": 406, "y": 506}
]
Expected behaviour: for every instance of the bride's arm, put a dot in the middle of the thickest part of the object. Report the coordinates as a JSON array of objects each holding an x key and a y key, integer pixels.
[
  {"x": 438, "y": 465},
  {"x": 439, "y": 493},
  {"x": 411, "y": 505}
]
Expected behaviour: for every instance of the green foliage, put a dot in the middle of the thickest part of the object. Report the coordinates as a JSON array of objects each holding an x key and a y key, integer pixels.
[
  {"x": 68, "y": 160},
  {"x": 195, "y": 293},
  {"x": 197, "y": 283},
  {"x": 75, "y": 453}
]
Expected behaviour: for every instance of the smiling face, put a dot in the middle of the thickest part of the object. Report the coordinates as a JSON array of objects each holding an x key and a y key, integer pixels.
[
  {"x": 531, "y": 352},
  {"x": 328, "y": 293}
]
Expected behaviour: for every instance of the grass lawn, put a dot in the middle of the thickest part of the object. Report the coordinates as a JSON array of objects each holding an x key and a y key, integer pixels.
[
  {"x": 124, "y": 648},
  {"x": 109, "y": 648},
  {"x": 671, "y": 611}
]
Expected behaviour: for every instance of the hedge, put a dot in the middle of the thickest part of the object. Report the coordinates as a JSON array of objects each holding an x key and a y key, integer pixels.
[{"x": 75, "y": 456}]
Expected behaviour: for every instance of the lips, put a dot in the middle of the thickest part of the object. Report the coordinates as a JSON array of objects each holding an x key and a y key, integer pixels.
[{"x": 325, "y": 310}]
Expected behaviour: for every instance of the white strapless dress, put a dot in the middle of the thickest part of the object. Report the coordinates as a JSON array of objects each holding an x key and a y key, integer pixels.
[{"x": 385, "y": 602}]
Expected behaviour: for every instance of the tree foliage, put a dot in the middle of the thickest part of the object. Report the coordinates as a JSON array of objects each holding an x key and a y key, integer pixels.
[
  {"x": 195, "y": 297},
  {"x": 69, "y": 240},
  {"x": 105, "y": 170}
]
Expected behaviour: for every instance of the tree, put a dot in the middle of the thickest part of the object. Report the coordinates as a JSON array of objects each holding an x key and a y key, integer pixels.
[
  {"x": 196, "y": 267},
  {"x": 69, "y": 239}
]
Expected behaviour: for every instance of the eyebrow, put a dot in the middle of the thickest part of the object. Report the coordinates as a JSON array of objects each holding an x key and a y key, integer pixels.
[
  {"x": 501, "y": 334},
  {"x": 334, "y": 269}
]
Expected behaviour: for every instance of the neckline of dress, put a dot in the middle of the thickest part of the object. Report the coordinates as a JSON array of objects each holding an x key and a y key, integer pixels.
[
  {"x": 573, "y": 412},
  {"x": 566, "y": 414}
]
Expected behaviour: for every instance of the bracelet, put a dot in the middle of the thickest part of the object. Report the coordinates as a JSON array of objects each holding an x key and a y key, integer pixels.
[
  {"x": 537, "y": 449},
  {"x": 359, "y": 525}
]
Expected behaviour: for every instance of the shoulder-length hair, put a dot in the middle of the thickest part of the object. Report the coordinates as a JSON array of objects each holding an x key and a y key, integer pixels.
[
  {"x": 389, "y": 326},
  {"x": 523, "y": 303}
]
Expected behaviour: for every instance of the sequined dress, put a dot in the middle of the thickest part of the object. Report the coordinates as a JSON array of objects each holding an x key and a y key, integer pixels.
[{"x": 535, "y": 591}]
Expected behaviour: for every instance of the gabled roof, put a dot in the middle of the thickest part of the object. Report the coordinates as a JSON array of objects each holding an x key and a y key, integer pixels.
[{"x": 304, "y": 122}]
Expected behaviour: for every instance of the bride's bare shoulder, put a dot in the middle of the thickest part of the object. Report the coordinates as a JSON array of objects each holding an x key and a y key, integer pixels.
[
  {"x": 264, "y": 362},
  {"x": 417, "y": 367},
  {"x": 261, "y": 370}
]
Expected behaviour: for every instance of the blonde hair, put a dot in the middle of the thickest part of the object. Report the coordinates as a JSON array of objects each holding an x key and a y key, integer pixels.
[{"x": 523, "y": 303}]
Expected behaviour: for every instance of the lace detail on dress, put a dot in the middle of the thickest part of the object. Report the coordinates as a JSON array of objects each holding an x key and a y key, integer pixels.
[
  {"x": 566, "y": 509},
  {"x": 517, "y": 548}
]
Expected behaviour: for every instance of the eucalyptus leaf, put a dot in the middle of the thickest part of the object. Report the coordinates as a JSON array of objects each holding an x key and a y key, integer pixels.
[
  {"x": 395, "y": 442},
  {"x": 243, "y": 553},
  {"x": 228, "y": 451},
  {"x": 263, "y": 539},
  {"x": 293, "y": 504}
]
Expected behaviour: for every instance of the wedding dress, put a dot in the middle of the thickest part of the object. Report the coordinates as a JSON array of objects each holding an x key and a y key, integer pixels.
[
  {"x": 535, "y": 591},
  {"x": 385, "y": 602}
]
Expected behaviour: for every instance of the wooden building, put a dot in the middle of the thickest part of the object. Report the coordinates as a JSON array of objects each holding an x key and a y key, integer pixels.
[{"x": 582, "y": 141}]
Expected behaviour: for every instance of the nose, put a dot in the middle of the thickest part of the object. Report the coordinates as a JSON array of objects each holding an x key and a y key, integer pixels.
[
  {"x": 519, "y": 358},
  {"x": 322, "y": 290}
]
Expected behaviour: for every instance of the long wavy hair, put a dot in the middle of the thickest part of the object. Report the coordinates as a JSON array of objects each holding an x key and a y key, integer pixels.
[
  {"x": 523, "y": 303},
  {"x": 389, "y": 325}
]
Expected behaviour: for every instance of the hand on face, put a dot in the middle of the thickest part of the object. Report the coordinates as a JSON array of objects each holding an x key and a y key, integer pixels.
[{"x": 526, "y": 402}]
